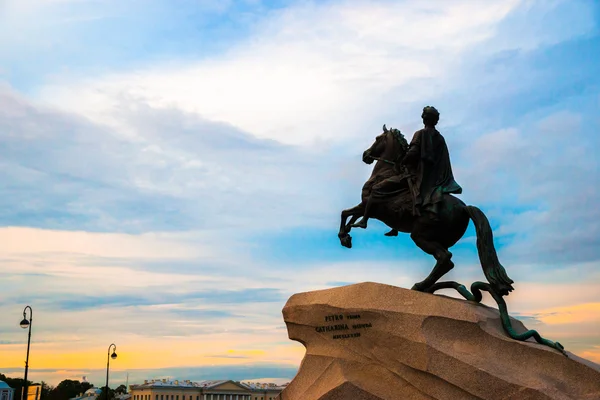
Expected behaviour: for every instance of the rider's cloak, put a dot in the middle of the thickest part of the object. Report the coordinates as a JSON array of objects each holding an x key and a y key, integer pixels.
[{"x": 428, "y": 153}]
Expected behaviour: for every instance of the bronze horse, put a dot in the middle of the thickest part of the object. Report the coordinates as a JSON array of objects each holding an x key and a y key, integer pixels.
[{"x": 433, "y": 237}]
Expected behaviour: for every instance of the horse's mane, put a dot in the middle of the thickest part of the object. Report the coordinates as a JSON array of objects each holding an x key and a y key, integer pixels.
[{"x": 401, "y": 139}]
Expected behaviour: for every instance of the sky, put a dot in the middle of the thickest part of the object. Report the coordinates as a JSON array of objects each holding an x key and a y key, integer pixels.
[{"x": 172, "y": 171}]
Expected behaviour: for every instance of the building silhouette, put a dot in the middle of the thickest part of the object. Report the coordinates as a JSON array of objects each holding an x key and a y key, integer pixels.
[{"x": 163, "y": 389}]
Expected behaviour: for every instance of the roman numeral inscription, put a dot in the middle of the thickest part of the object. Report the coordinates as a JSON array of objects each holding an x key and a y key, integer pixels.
[{"x": 344, "y": 326}]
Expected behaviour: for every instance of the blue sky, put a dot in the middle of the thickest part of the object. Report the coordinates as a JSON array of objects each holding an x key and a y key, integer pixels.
[{"x": 172, "y": 171}]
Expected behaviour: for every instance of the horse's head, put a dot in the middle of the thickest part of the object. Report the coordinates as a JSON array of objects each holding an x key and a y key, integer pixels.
[{"x": 390, "y": 145}]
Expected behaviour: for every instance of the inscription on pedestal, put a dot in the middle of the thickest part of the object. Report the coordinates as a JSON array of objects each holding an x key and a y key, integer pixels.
[{"x": 345, "y": 326}]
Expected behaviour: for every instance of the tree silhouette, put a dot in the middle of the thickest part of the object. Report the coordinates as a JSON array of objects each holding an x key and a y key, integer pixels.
[
  {"x": 68, "y": 389},
  {"x": 122, "y": 389},
  {"x": 65, "y": 390}
]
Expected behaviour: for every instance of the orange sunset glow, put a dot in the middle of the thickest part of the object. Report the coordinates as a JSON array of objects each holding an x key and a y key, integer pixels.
[{"x": 173, "y": 173}]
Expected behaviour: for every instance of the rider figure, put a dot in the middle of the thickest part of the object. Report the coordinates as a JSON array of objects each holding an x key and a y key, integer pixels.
[{"x": 428, "y": 158}]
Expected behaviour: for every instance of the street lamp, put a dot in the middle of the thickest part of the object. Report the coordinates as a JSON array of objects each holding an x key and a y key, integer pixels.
[
  {"x": 108, "y": 357},
  {"x": 26, "y": 324}
]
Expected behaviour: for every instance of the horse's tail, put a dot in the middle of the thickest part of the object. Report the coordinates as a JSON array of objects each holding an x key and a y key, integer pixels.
[{"x": 493, "y": 270}]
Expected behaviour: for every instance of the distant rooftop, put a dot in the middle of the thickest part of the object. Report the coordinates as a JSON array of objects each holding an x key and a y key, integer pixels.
[
  {"x": 91, "y": 393},
  {"x": 153, "y": 383},
  {"x": 4, "y": 385},
  {"x": 261, "y": 385},
  {"x": 177, "y": 383}
]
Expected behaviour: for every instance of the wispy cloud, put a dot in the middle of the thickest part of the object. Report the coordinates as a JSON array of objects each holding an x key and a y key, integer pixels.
[
  {"x": 169, "y": 194},
  {"x": 323, "y": 61}
]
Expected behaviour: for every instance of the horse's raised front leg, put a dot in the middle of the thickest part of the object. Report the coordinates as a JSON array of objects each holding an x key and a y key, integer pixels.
[
  {"x": 354, "y": 212},
  {"x": 352, "y": 221}
]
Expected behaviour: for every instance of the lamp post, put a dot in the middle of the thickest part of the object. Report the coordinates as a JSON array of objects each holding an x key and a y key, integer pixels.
[
  {"x": 25, "y": 324},
  {"x": 109, "y": 356}
]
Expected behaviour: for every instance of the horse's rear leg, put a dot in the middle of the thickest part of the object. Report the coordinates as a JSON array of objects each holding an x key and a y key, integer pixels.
[{"x": 422, "y": 238}]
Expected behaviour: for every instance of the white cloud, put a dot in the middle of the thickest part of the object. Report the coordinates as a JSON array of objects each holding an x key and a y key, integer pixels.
[
  {"x": 552, "y": 169},
  {"x": 309, "y": 71},
  {"x": 151, "y": 158},
  {"x": 314, "y": 72},
  {"x": 183, "y": 173}
]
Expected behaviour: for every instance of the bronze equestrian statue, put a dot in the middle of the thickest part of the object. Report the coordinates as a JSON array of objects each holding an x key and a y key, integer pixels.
[
  {"x": 428, "y": 160},
  {"x": 411, "y": 190}
]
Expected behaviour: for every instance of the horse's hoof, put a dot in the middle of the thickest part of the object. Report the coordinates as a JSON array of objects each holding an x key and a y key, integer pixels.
[
  {"x": 346, "y": 241},
  {"x": 417, "y": 287},
  {"x": 393, "y": 232}
]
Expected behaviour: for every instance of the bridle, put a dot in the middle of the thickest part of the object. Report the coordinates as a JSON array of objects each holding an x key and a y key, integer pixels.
[{"x": 383, "y": 160}]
